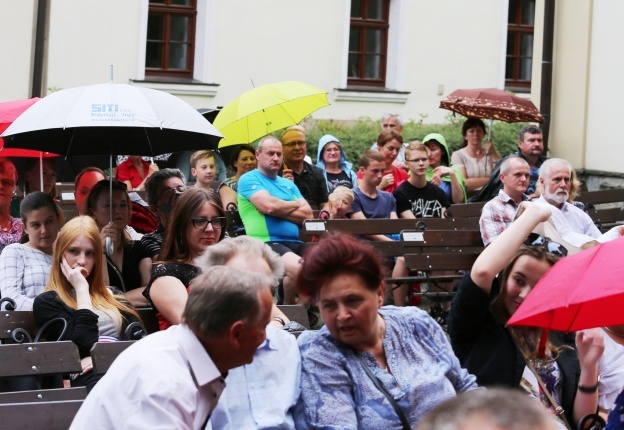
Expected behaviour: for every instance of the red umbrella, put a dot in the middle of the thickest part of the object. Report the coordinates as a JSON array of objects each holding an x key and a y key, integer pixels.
[
  {"x": 581, "y": 291},
  {"x": 9, "y": 112},
  {"x": 491, "y": 103}
]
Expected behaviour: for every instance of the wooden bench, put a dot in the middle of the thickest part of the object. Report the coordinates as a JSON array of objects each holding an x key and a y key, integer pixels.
[
  {"x": 602, "y": 197},
  {"x": 37, "y": 360},
  {"x": 104, "y": 353},
  {"x": 12, "y": 320},
  {"x": 465, "y": 210},
  {"x": 54, "y": 415}
]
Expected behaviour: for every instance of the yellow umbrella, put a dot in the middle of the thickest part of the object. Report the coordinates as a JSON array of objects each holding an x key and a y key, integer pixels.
[{"x": 266, "y": 109}]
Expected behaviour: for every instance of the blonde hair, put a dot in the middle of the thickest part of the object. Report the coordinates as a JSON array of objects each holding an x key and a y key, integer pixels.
[
  {"x": 199, "y": 155},
  {"x": 417, "y": 145},
  {"x": 100, "y": 296},
  {"x": 342, "y": 191}
]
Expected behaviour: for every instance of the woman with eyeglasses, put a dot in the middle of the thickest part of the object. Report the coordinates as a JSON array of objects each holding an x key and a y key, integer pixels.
[
  {"x": 510, "y": 356},
  {"x": 331, "y": 159},
  {"x": 198, "y": 221},
  {"x": 130, "y": 265},
  {"x": 10, "y": 227}
]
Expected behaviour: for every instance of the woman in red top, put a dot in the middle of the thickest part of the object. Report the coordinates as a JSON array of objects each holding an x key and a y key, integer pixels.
[
  {"x": 389, "y": 143},
  {"x": 134, "y": 171}
]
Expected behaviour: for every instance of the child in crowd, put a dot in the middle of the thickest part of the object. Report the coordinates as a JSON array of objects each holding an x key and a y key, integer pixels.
[{"x": 203, "y": 167}]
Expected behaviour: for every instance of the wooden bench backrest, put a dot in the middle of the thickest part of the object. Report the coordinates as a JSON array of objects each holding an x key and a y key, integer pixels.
[
  {"x": 10, "y": 320},
  {"x": 296, "y": 313},
  {"x": 387, "y": 226},
  {"x": 441, "y": 238},
  {"x": 104, "y": 353},
  {"x": 602, "y": 196},
  {"x": 466, "y": 210},
  {"x": 52, "y": 395},
  {"x": 39, "y": 415},
  {"x": 45, "y": 358},
  {"x": 430, "y": 262}
]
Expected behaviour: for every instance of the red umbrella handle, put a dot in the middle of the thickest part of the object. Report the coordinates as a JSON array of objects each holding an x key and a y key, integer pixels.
[{"x": 541, "y": 349}]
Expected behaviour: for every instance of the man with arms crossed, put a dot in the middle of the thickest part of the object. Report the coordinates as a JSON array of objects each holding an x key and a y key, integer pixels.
[{"x": 272, "y": 208}]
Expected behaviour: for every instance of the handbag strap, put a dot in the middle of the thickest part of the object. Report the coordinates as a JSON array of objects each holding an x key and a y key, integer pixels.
[{"x": 385, "y": 392}]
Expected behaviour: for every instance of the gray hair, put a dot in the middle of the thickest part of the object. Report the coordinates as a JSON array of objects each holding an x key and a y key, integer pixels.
[
  {"x": 546, "y": 167},
  {"x": 153, "y": 182},
  {"x": 223, "y": 295},
  {"x": 266, "y": 139},
  {"x": 503, "y": 408},
  {"x": 387, "y": 116},
  {"x": 506, "y": 163},
  {"x": 220, "y": 253},
  {"x": 530, "y": 129}
]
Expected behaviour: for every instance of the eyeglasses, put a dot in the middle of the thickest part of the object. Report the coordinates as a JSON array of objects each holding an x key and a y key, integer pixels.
[
  {"x": 200, "y": 222},
  {"x": 7, "y": 183},
  {"x": 292, "y": 144},
  {"x": 553, "y": 247}
]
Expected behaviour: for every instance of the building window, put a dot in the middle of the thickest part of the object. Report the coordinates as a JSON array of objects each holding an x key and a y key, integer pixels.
[
  {"x": 520, "y": 44},
  {"x": 170, "y": 38},
  {"x": 368, "y": 43}
]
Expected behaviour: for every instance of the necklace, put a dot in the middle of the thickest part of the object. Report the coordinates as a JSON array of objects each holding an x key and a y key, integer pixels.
[{"x": 614, "y": 333}]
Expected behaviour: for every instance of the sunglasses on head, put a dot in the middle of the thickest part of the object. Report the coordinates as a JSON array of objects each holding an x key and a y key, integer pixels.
[{"x": 553, "y": 247}]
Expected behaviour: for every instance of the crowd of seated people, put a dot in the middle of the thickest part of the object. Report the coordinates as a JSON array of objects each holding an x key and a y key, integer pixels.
[{"x": 370, "y": 365}]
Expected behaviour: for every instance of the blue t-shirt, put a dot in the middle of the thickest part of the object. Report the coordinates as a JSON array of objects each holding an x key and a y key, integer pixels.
[
  {"x": 261, "y": 226},
  {"x": 379, "y": 207}
]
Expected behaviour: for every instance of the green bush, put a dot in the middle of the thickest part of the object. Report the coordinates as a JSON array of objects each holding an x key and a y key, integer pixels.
[{"x": 358, "y": 136}]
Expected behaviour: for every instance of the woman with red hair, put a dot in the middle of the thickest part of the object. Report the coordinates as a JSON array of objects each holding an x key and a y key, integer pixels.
[{"x": 368, "y": 366}]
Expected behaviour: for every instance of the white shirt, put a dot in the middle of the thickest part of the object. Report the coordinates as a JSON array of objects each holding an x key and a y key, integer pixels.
[
  {"x": 574, "y": 225},
  {"x": 611, "y": 370},
  {"x": 261, "y": 395},
  {"x": 24, "y": 274},
  {"x": 164, "y": 381}
]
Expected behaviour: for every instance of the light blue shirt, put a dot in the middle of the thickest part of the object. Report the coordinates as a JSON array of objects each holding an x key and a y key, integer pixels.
[
  {"x": 336, "y": 393},
  {"x": 263, "y": 394}
]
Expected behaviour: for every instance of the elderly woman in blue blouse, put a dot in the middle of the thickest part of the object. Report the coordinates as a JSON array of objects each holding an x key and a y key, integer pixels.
[
  {"x": 368, "y": 367},
  {"x": 331, "y": 159}
]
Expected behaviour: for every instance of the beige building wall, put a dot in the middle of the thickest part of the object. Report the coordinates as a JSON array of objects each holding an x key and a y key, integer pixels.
[
  {"x": 606, "y": 92},
  {"x": 17, "y": 34}
]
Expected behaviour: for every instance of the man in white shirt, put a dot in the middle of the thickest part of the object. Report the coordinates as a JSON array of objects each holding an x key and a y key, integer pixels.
[
  {"x": 554, "y": 177},
  {"x": 260, "y": 395},
  {"x": 173, "y": 378}
]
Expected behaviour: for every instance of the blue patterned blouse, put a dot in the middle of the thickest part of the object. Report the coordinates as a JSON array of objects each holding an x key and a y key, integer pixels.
[{"x": 336, "y": 393}]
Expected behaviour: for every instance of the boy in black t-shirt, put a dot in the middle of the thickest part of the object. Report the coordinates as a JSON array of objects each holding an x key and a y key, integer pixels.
[{"x": 417, "y": 198}]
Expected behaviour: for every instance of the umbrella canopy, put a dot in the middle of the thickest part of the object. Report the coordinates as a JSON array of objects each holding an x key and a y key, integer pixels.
[
  {"x": 581, "y": 291},
  {"x": 9, "y": 112},
  {"x": 266, "y": 109},
  {"x": 491, "y": 103},
  {"x": 111, "y": 119}
]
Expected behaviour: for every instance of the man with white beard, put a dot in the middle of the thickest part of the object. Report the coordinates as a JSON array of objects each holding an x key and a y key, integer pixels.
[{"x": 555, "y": 176}]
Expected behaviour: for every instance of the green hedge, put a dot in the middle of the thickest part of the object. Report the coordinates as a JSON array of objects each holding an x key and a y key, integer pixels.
[{"x": 358, "y": 136}]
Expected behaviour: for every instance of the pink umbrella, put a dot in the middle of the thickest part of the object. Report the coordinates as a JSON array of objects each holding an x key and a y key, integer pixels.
[
  {"x": 9, "y": 112},
  {"x": 581, "y": 291}
]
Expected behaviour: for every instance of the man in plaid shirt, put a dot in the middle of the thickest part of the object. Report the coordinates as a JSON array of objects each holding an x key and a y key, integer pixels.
[{"x": 499, "y": 212}]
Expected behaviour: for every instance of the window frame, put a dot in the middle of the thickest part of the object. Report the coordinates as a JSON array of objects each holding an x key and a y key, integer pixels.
[
  {"x": 515, "y": 31},
  {"x": 167, "y": 9},
  {"x": 364, "y": 23}
]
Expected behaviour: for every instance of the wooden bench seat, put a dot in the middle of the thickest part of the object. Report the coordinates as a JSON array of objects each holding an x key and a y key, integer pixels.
[
  {"x": 55, "y": 415},
  {"x": 104, "y": 353}
]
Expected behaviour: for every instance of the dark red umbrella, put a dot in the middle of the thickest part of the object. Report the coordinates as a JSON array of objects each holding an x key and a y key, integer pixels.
[
  {"x": 581, "y": 291},
  {"x": 491, "y": 103}
]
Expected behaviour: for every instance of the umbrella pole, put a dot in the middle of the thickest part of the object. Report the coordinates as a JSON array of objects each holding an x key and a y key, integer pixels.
[
  {"x": 41, "y": 170},
  {"x": 490, "y": 130},
  {"x": 541, "y": 350},
  {"x": 109, "y": 247}
]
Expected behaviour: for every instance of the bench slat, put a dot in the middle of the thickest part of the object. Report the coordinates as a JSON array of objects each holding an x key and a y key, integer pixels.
[
  {"x": 10, "y": 320},
  {"x": 39, "y": 359},
  {"x": 56, "y": 394},
  {"x": 104, "y": 353},
  {"x": 429, "y": 262},
  {"x": 39, "y": 415}
]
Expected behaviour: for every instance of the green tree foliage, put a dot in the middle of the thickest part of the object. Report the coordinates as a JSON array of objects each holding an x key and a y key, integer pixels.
[{"x": 358, "y": 135}]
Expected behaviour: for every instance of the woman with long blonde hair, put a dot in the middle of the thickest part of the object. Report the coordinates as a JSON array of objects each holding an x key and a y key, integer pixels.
[{"x": 76, "y": 292}]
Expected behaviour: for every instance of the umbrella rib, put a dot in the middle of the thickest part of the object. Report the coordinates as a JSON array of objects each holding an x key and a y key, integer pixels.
[
  {"x": 70, "y": 143},
  {"x": 149, "y": 143}
]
